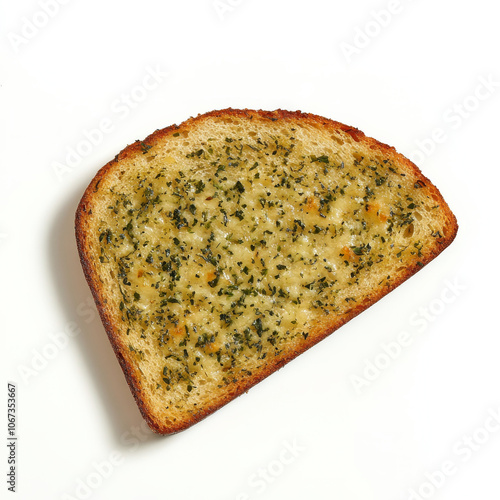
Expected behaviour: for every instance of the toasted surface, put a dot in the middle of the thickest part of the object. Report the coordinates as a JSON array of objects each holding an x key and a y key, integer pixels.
[{"x": 220, "y": 249}]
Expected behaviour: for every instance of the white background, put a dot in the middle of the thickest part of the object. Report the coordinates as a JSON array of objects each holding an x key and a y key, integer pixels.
[{"x": 419, "y": 75}]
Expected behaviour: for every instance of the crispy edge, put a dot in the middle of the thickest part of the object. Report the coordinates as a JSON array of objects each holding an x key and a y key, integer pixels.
[{"x": 323, "y": 330}]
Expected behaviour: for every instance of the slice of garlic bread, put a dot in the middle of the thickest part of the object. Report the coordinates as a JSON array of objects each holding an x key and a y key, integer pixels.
[{"x": 220, "y": 249}]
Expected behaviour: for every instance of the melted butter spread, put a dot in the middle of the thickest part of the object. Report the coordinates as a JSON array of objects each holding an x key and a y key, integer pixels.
[{"x": 235, "y": 258}]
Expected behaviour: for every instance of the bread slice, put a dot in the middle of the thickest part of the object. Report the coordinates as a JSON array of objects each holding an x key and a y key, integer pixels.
[{"x": 220, "y": 249}]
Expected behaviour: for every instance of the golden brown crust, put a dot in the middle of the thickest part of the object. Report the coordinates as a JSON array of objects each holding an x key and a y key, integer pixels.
[{"x": 238, "y": 388}]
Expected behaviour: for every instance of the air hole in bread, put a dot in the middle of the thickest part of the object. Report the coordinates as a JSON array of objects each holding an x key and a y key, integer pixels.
[
  {"x": 409, "y": 231},
  {"x": 417, "y": 215}
]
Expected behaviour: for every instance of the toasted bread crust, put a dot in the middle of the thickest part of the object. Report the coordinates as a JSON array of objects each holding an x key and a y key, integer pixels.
[{"x": 325, "y": 329}]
